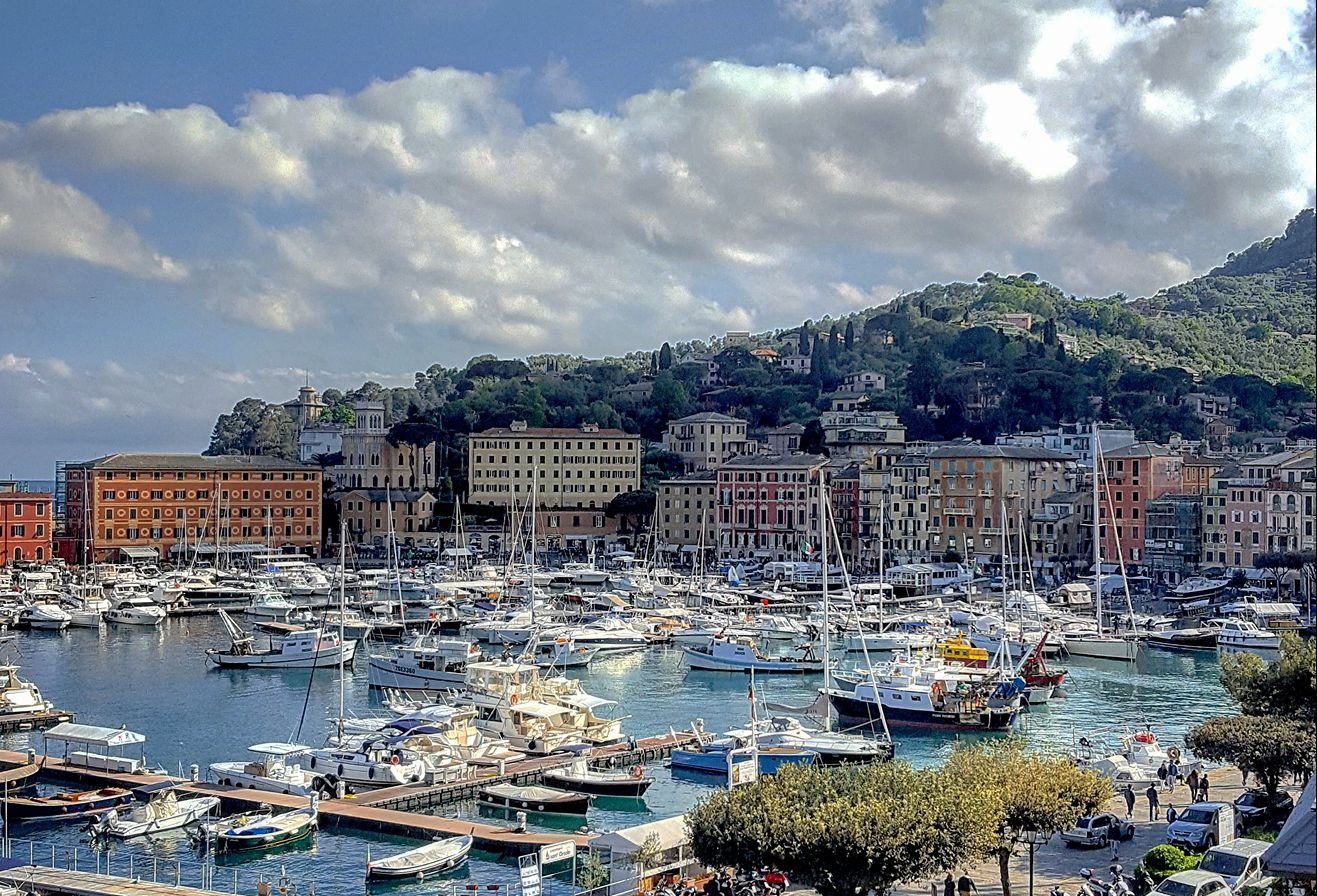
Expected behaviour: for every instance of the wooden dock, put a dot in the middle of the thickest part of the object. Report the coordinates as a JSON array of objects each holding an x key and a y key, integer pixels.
[
  {"x": 58, "y": 882},
  {"x": 17, "y": 723},
  {"x": 58, "y": 769}
]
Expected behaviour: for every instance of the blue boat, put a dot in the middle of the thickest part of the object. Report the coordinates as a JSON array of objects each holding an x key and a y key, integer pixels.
[{"x": 712, "y": 758}]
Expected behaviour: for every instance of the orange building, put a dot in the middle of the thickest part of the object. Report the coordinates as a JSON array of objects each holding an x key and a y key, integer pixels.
[
  {"x": 154, "y": 506},
  {"x": 1134, "y": 475},
  {"x": 25, "y": 526},
  {"x": 1197, "y": 472}
]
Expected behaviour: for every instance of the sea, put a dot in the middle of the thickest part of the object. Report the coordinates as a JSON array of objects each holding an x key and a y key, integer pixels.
[{"x": 157, "y": 682}]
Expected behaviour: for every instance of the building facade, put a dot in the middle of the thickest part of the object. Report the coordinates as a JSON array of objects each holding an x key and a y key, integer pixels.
[
  {"x": 26, "y": 527},
  {"x": 370, "y": 460},
  {"x": 369, "y": 513},
  {"x": 686, "y": 514},
  {"x": 706, "y": 440},
  {"x": 768, "y": 505},
  {"x": 857, "y": 435},
  {"x": 844, "y": 495},
  {"x": 139, "y": 506},
  {"x": 1173, "y": 536},
  {"x": 1133, "y": 476}
]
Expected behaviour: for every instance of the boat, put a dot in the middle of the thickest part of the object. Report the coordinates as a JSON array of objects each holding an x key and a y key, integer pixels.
[
  {"x": 580, "y": 778},
  {"x": 44, "y": 617},
  {"x": 544, "y": 800},
  {"x": 741, "y": 655},
  {"x": 715, "y": 757},
  {"x": 831, "y": 747},
  {"x": 276, "y": 830},
  {"x": 1236, "y": 635},
  {"x": 270, "y": 606},
  {"x": 1198, "y": 638},
  {"x": 85, "y": 618},
  {"x": 136, "y": 610},
  {"x": 308, "y": 648},
  {"x": 441, "y": 855},
  {"x": 961, "y": 651},
  {"x": 426, "y": 664},
  {"x": 162, "y": 811},
  {"x": 1196, "y": 587},
  {"x": 372, "y": 762},
  {"x": 271, "y": 772},
  {"x": 18, "y": 696},
  {"x": 1040, "y": 681},
  {"x": 563, "y": 653},
  {"x": 535, "y": 713},
  {"x": 928, "y": 693},
  {"x": 63, "y": 806}
]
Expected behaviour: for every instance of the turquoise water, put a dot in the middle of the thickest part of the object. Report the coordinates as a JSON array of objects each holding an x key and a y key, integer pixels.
[{"x": 157, "y": 682}]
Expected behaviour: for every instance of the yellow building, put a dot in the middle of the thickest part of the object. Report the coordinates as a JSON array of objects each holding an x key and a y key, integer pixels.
[{"x": 686, "y": 509}]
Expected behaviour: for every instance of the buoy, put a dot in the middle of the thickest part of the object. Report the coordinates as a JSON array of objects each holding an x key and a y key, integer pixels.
[{"x": 394, "y": 760}]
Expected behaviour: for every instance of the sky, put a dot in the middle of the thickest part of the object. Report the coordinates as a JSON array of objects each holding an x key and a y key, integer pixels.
[{"x": 202, "y": 202}]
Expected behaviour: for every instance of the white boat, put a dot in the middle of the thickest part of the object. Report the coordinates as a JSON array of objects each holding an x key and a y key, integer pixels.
[
  {"x": 606, "y": 635},
  {"x": 85, "y": 618},
  {"x": 441, "y": 855},
  {"x": 370, "y": 763},
  {"x": 426, "y": 664},
  {"x": 535, "y": 714},
  {"x": 1101, "y": 646},
  {"x": 563, "y": 653},
  {"x": 162, "y": 811},
  {"x": 272, "y": 772},
  {"x": 928, "y": 693},
  {"x": 136, "y": 610},
  {"x": 833, "y": 747},
  {"x": 1195, "y": 587},
  {"x": 297, "y": 649},
  {"x": 18, "y": 696},
  {"x": 741, "y": 655},
  {"x": 44, "y": 617},
  {"x": 1240, "y": 635},
  {"x": 270, "y": 606},
  {"x": 781, "y": 628}
]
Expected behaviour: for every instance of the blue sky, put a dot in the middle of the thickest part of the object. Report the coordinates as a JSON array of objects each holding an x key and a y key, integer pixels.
[{"x": 198, "y": 202}]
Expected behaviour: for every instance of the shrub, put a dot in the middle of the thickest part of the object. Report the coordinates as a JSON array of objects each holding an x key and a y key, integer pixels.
[{"x": 1161, "y": 862}]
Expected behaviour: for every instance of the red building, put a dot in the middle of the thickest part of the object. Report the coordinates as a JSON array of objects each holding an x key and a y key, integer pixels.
[
  {"x": 768, "y": 505},
  {"x": 25, "y": 526},
  {"x": 844, "y": 492},
  {"x": 1133, "y": 476}
]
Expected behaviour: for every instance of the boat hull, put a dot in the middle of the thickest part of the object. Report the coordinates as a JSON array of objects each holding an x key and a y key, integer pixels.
[
  {"x": 567, "y": 804},
  {"x": 434, "y": 858},
  {"x": 25, "y": 809},
  {"x": 1102, "y": 648},
  {"x": 706, "y": 662},
  {"x": 277, "y": 831},
  {"x": 613, "y": 786},
  {"x": 862, "y": 712},
  {"x": 384, "y": 672},
  {"x": 231, "y": 774},
  {"x": 715, "y": 762},
  {"x": 323, "y": 659}
]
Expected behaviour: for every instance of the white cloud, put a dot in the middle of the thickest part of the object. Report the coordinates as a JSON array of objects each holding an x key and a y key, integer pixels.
[
  {"x": 559, "y": 84},
  {"x": 12, "y": 363}
]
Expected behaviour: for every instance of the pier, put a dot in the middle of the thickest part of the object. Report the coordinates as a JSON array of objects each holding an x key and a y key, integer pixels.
[{"x": 60, "y": 882}]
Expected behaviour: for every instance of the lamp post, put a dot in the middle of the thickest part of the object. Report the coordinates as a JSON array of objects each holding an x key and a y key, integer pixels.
[{"x": 1034, "y": 839}]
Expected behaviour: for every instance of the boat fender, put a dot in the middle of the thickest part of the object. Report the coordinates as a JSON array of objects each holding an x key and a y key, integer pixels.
[
  {"x": 340, "y": 771},
  {"x": 635, "y": 771},
  {"x": 371, "y": 773},
  {"x": 313, "y": 762},
  {"x": 514, "y": 699}
]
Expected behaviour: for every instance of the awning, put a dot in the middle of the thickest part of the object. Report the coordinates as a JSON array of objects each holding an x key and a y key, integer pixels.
[
  {"x": 537, "y": 709},
  {"x": 22, "y": 773},
  {"x": 689, "y": 548},
  {"x": 1294, "y": 854},
  {"x": 279, "y": 749},
  {"x": 670, "y": 832},
  {"x": 586, "y": 701},
  {"x": 140, "y": 553},
  {"x": 94, "y": 735},
  {"x": 157, "y": 787}
]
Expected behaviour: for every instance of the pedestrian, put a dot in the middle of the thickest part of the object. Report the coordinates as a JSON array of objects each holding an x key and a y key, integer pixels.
[
  {"x": 965, "y": 886},
  {"x": 1172, "y": 774},
  {"x": 1171, "y": 815},
  {"x": 1192, "y": 781},
  {"x": 1151, "y": 794},
  {"x": 1202, "y": 788},
  {"x": 949, "y": 885},
  {"x": 1161, "y": 773},
  {"x": 1128, "y": 793}
]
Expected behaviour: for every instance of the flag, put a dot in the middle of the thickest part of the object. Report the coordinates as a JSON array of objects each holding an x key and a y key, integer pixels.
[{"x": 805, "y": 547}]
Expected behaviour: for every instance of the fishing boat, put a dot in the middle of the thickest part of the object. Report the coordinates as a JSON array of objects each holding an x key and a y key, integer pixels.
[
  {"x": 263, "y": 833},
  {"x": 928, "y": 693},
  {"x": 723, "y": 654},
  {"x": 272, "y": 772},
  {"x": 162, "y": 811},
  {"x": 19, "y": 696},
  {"x": 580, "y": 778},
  {"x": 544, "y": 800},
  {"x": 294, "y": 649},
  {"x": 136, "y": 610},
  {"x": 1240, "y": 635},
  {"x": 715, "y": 757},
  {"x": 64, "y": 806},
  {"x": 426, "y": 664},
  {"x": 441, "y": 855}
]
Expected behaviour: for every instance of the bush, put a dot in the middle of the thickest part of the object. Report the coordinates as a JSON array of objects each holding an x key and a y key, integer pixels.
[{"x": 1161, "y": 862}]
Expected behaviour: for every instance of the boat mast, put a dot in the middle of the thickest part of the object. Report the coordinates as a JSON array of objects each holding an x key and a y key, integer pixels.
[
  {"x": 342, "y": 612},
  {"x": 534, "y": 502},
  {"x": 826, "y": 635},
  {"x": 1097, "y": 546}
]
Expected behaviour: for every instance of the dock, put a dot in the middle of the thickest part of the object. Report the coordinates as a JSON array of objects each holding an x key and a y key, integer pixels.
[
  {"x": 17, "y": 723},
  {"x": 59, "y": 882}
]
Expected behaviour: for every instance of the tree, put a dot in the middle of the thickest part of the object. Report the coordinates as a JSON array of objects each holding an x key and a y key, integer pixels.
[
  {"x": 254, "y": 427},
  {"x": 1161, "y": 862},
  {"x": 340, "y": 413},
  {"x": 843, "y": 830},
  {"x": 632, "y": 507},
  {"x": 665, "y": 357},
  {"x": 1268, "y": 746},
  {"x": 1285, "y": 687},
  {"x": 849, "y": 337},
  {"x": 1025, "y": 792},
  {"x": 591, "y": 873},
  {"x": 925, "y": 376},
  {"x": 669, "y": 397}
]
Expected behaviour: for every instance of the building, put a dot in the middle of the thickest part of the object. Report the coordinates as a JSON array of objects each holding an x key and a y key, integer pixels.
[
  {"x": 1060, "y": 536},
  {"x": 782, "y": 439},
  {"x": 152, "y": 506},
  {"x": 306, "y": 408},
  {"x": 795, "y": 362},
  {"x": 371, "y": 460},
  {"x": 319, "y": 440},
  {"x": 858, "y": 434},
  {"x": 844, "y": 495},
  {"x": 706, "y": 440},
  {"x": 978, "y": 491},
  {"x": 25, "y": 525},
  {"x": 1207, "y": 407},
  {"x": 1216, "y": 530},
  {"x": 1074, "y": 439},
  {"x": 1173, "y": 536},
  {"x": 577, "y": 473},
  {"x": 894, "y": 506},
  {"x": 1197, "y": 472},
  {"x": 686, "y": 514},
  {"x": 768, "y": 506},
  {"x": 1133, "y": 476},
  {"x": 366, "y": 513},
  {"x": 863, "y": 381},
  {"x": 1289, "y": 500}
]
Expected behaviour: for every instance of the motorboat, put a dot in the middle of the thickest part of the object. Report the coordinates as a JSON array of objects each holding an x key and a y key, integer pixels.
[
  {"x": 717, "y": 756},
  {"x": 66, "y": 806},
  {"x": 890, "y": 640},
  {"x": 276, "y": 830},
  {"x": 580, "y": 778},
  {"x": 452, "y": 728},
  {"x": 373, "y": 762},
  {"x": 1196, "y": 587},
  {"x": 781, "y": 628},
  {"x": 426, "y": 664},
  {"x": 832, "y": 747},
  {"x": 18, "y": 696},
  {"x": 85, "y": 618},
  {"x": 563, "y": 653},
  {"x": 309, "y": 648},
  {"x": 270, "y": 606},
  {"x": 741, "y": 655},
  {"x": 272, "y": 771},
  {"x": 44, "y": 617},
  {"x": 606, "y": 635},
  {"x": 208, "y": 830},
  {"x": 534, "y": 713},
  {"x": 1196, "y": 638},
  {"x": 544, "y": 800},
  {"x": 441, "y": 855},
  {"x": 352, "y": 624},
  {"x": 1237, "y": 635},
  {"x": 162, "y": 811},
  {"x": 961, "y": 651},
  {"x": 136, "y": 610},
  {"x": 928, "y": 693}
]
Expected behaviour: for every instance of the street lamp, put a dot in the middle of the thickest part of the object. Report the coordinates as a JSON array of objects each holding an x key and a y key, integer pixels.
[{"x": 1035, "y": 839}]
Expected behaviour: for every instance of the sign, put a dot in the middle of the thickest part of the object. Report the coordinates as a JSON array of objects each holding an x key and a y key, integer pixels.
[
  {"x": 742, "y": 770},
  {"x": 558, "y": 852},
  {"x": 530, "y": 875}
]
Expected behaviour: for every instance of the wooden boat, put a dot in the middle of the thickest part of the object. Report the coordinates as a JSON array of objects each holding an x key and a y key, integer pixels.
[
  {"x": 62, "y": 806},
  {"x": 740, "y": 655},
  {"x": 297, "y": 648},
  {"x": 545, "y": 800},
  {"x": 580, "y": 778},
  {"x": 440, "y": 855},
  {"x": 274, "y": 831}
]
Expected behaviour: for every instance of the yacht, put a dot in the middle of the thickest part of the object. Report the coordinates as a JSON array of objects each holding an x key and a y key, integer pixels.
[
  {"x": 270, "y": 606},
  {"x": 136, "y": 611},
  {"x": 832, "y": 747},
  {"x": 1195, "y": 587},
  {"x": 18, "y": 696},
  {"x": 296, "y": 649},
  {"x": 606, "y": 635},
  {"x": 43, "y": 612},
  {"x": 272, "y": 771},
  {"x": 1236, "y": 635},
  {"x": 426, "y": 664},
  {"x": 371, "y": 762},
  {"x": 533, "y": 714},
  {"x": 927, "y": 693}
]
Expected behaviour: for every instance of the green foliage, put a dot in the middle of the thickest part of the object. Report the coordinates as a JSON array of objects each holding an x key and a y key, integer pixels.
[
  {"x": 591, "y": 873},
  {"x": 1161, "y": 862},
  {"x": 255, "y": 427},
  {"x": 633, "y": 508},
  {"x": 665, "y": 357},
  {"x": 1285, "y": 687},
  {"x": 1268, "y": 746}
]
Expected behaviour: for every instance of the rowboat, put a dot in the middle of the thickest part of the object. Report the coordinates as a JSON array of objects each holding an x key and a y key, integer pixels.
[
  {"x": 62, "y": 806},
  {"x": 440, "y": 855},
  {"x": 274, "y": 831},
  {"x": 545, "y": 800},
  {"x": 580, "y": 778}
]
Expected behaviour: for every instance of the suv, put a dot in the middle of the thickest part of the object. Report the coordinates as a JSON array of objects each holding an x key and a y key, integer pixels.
[
  {"x": 1254, "y": 809},
  {"x": 1196, "y": 827},
  {"x": 1239, "y": 863},
  {"x": 1098, "y": 830},
  {"x": 1193, "y": 883}
]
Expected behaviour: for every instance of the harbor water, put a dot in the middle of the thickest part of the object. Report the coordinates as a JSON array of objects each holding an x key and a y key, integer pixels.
[{"x": 157, "y": 682}]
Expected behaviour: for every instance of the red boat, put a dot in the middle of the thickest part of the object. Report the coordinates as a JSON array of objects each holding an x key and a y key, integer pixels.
[{"x": 1040, "y": 681}]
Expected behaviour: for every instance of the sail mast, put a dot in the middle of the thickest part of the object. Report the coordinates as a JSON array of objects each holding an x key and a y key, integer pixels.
[
  {"x": 1097, "y": 546},
  {"x": 342, "y": 612}
]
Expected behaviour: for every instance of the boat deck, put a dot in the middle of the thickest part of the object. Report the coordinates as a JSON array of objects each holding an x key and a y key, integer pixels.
[
  {"x": 13, "y": 723},
  {"x": 58, "y": 882}
]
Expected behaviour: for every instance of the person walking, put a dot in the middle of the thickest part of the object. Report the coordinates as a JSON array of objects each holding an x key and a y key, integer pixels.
[
  {"x": 1192, "y": 781},
  {"x": 1172, "y": 775},
  {"x": 1202, "y": 788},
  {"x": 949, "y": 885},
  {"x": 965, "y": 886},
  {"x": 1128, "y": 794},
  {"x": 1153, "y": 801},
  {"x": 1171, "y": 815},
  {"x": 1161, "y": 773}
]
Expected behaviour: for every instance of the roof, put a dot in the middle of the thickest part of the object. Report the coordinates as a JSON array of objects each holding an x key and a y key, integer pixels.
[
  {"x": 1011, "y": 452},
  {"x": 140, "y": 553},
  {"x": 671, "y": 833},
  {"x": 707, "y": 417},
  {"x": 1140, "y": 449},
  {"x": 698, "y": 476},
  {"x": 1294, "y": 854},
  {"x": 132, "y": 461},
  {"x": 94, "y": 735},
  {"x": 774, "y": 460},
  {"x": 789, "y": 429},
  {"x": 555, "y": 432},
  {"x": 380, "y": 495}
]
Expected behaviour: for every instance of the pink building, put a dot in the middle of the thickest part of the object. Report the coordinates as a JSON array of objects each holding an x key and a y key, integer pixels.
[
  {"x": 768, "y": 505},
  {"x": 1133, "y": 476}
]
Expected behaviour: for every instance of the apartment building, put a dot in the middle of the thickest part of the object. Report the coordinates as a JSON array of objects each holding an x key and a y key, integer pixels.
[
  {"x": 1131, "y": 477},
  {"x": 370, "y": 514},
  {"x": 1074, "y": 439},
  {"x": 768, "y": 505},
  {"x": 370, "y": 460},
  {"x": 25, "y": 525},
  {"x": 706, "y": 440},
  {"x": 1196, "y": 474},
  {"x": 856, "y": 435},
  {"x": 894, "y": 506},
  {"x": 686, "y": 513},
  {"x": 1060, "y": 535},
  {"x": 1173, "y": 536},
  {"x": 1291, "y": 480},
  {"x": 152, "y": 506},
  {"x": 844, "y": 495}
]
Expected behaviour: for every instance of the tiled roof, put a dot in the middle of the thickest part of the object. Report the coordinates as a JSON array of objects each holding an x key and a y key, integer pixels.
[
  {"x": 555, "y": 432},
  {"x": 1012, "y": 452},
  {"x": 775, "y": 460},
  {"x": 192, "y": 462}
]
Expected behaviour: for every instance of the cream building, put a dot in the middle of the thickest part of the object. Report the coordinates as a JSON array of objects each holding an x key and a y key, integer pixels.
[
  {"x": 686, "y": 510},
  {"x": 370, "y": 460},
  {"x": 366, "y": 513},
  {"x": 706, "y": 440}
]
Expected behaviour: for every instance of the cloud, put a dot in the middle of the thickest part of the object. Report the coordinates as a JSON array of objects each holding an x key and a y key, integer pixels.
[
  {"x": 558, "y": 83},
  {"x": 12, "y": 363},
  {"x": 39, "y": 217}
]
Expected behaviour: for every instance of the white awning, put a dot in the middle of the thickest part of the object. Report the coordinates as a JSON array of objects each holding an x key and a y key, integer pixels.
[
  {"x": 140, "y": 553},
  {"x": 671, "y": 833},
  {"x": 586, "y": 701},
  {"x": 279, "y": 749},
  {"x": 94, "y": 735},
  {"x": 537, "y": 709}
]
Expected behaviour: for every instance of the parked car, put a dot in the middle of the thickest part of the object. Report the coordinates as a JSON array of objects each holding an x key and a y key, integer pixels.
[
  {"x": 1239, "y": 863},
  {"x": 1098, "y": 830},
  {"x": 1254, "y": 809},
  {"x": 1194, "y": 883},
  {"x": 1196, "y": 827}
]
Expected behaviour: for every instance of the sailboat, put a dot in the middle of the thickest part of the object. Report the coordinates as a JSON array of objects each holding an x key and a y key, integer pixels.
[{"x": 1099, "y": 644}]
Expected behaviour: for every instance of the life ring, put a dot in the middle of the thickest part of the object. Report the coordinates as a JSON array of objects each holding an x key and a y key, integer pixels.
[
  {"x": 394, "y": 760},
  {"x": 939, "y": 692},
  {"x": 514, "y": 699},
  {"x": 635, "y": 771},
  {"x": 1174, "y": 754}
]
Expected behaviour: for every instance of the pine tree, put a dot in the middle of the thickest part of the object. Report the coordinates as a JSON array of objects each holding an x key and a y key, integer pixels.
[
  {"x": 665, "y": 357},
  {"x": 850, "y": 335}
]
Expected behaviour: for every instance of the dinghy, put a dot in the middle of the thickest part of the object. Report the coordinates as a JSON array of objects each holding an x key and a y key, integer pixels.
[
  {"x": 441, "y": 855},
  {"x": 580, "y": 778},
  {"x": 62, "y": 806},
  {"x": 274, "y": 831},
  {"x": 545, "y": 800},
  {"x": 162, "y": 811}
]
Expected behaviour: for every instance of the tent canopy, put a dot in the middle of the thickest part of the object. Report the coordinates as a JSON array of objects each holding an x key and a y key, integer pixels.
[
  {"x": 1294, "y": 854},
  {"x": 140, "y": 553},
  {"x": 671, "y": 833},
  {"x": 94, "y": 735}
]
